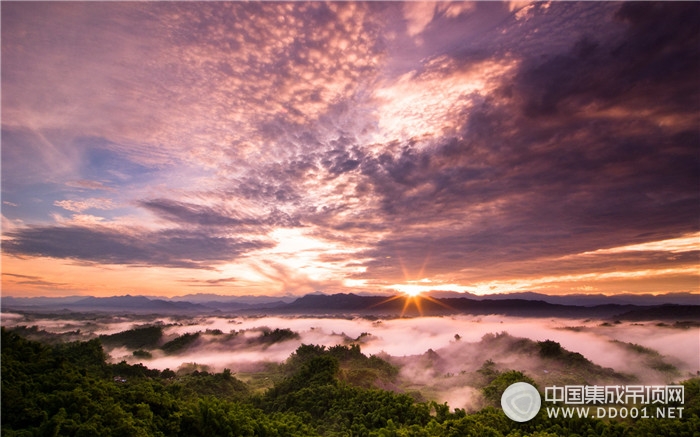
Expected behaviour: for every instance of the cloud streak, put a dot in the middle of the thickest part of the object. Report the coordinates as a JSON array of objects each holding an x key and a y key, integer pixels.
[{"x": 170, "y": 248}]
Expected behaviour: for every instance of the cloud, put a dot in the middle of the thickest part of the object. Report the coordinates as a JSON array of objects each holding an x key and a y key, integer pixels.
[
  {"x": 169, "y": 248},
  {"x": 88, "y": 185},
  {"x": 476, "y": 142},
  {"x": 219, "y": 282},
  {"x": 34, "y": 281},
  {"x": 634, "y": 73},
  {"x": 218, "y": 81},
  {"x": 29, "y": 156},
  {"x": 535, "y": 171},
  {"x": 418, "y": 15},
  {"x": 188, "y": 213},
  {"x": 82, "y": 205}
]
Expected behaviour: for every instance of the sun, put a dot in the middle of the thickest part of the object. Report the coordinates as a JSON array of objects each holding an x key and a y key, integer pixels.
[{"x": 411, "y": 290}]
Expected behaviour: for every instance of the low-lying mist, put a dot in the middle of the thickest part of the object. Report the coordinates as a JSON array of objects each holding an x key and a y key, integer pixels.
[{"x": 439, "y": 356}]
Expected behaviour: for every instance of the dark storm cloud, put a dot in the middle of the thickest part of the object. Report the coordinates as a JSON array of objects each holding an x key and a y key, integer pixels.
[{"x": 169, "y": 248}]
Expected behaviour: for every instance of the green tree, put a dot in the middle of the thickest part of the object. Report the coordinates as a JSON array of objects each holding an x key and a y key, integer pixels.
[{"x": 494, "y": 390}]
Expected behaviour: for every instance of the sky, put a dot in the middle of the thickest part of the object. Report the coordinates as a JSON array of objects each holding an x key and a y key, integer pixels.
[{"x": 278, "y": 148}]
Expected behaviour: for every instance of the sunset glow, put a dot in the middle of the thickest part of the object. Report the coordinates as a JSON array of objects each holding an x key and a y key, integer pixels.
[
  {"x": 410, "y": 289},
  {"x": 285, "y": 148}
]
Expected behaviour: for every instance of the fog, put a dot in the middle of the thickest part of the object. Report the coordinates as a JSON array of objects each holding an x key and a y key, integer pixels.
[{"x": 457, "y": 345}]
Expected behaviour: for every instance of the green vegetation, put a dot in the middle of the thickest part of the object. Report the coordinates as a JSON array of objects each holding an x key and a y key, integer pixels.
[
  {"x": 142, "y": 354},
  {"x": 70, "y": 390},
  {"x": 145, "y": 339},
  {"x": 137, "y": 338},
  {"x": 180, "y": 343},
  {"x": 651, "y": 358},
  {"x": 220, "y": 385},
  {"x": 278, "y": 335},
  {"x": 34, "y": 333},
  {"x": 558, "y": 365},
  {"x": 500, "y": 382},
  {"x": 353, "y": 366}
]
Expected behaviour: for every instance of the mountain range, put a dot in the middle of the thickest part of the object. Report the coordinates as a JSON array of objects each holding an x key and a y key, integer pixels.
[{"x": 680, "y": 306}]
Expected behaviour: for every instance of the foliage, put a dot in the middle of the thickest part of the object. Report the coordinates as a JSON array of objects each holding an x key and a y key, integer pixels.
[
  {"x": 70, "y": 390},
  {"x": 356, "y": 368},
  {"x": 493, "y": 391},
  {"x": 652, "y": 358},
  {"x": 488, "y": 370},
  {"x": 137, "y": 338},
  {"x": 221, "y": 385},
  {"x": 34, "y": 333},
  {"x": 142, "y": 354},
  {"x": 278, "y": 335},
  {"x": 178, "y": 344},
  {"x": 552, "y": 349}
]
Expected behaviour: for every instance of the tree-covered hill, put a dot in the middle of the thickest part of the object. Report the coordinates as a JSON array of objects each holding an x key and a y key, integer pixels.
[{"x": 71, "y": 390}]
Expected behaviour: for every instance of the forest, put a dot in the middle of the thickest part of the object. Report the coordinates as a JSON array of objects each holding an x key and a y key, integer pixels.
[{"x": 71, "y": 389}]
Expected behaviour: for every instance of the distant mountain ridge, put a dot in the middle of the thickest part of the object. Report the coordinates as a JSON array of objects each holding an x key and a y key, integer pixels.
[
  {"x": 246, "y": 299},
  {"x": 582, "y": 299},
  {"x": 135, "y": 302},
  {"x": 436, "y": 303}
]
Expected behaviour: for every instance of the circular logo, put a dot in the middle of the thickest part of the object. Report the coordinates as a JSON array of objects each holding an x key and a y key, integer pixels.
[{"x": 521, "y": 402}]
